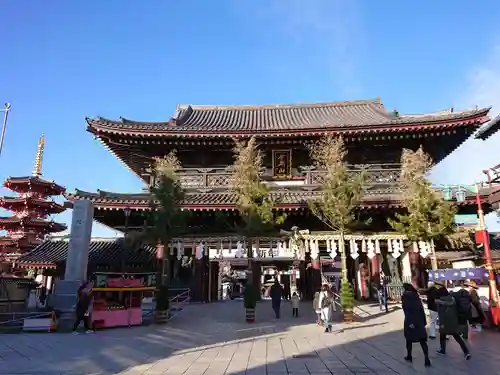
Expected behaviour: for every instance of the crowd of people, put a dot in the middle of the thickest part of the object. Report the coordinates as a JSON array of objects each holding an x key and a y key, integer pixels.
[{"x": 453, "y": 313}]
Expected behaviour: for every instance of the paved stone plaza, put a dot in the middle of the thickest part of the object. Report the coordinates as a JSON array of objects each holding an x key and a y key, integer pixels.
[{"x": 213, "y": 340}]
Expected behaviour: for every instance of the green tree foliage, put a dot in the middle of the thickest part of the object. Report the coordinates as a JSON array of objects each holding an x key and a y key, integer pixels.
[
  {"x": 428, "y": 216},
  {"x": 252, "y": 195},
  {"x": 165, "y": 220},
  {"x": 341, "y": 190}
]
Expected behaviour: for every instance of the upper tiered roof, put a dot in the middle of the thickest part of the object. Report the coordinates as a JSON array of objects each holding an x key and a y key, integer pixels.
[
  {"x": 346, "y": 117},
  {"x": 33, "y": 183}
]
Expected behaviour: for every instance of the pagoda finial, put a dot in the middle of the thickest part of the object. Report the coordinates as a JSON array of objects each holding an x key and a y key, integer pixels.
[{"x": 37, "y": 165}]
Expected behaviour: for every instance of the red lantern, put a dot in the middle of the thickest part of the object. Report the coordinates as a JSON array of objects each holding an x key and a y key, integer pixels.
[{"x": 159, "y": 251}]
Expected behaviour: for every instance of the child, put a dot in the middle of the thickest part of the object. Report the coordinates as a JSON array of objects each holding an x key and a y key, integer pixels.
[{"x": 295, "y": 304}]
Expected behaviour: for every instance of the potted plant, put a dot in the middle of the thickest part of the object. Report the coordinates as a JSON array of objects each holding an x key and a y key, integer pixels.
[
  {"x": 347, "y": 301},
  {"x": 162, "y": 305},
  {"x": 250, "y": 301}
]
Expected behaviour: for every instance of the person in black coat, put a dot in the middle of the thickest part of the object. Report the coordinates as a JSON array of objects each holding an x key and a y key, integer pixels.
[
  {"x": 415, "y": 322},
  {"x": 276, "y": 296}
]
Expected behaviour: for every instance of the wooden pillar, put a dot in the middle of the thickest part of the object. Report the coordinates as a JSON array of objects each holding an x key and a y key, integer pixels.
[
  {"x": 418, "y": 275},
  {"x": 302, "y": 280},
  {"x": 375, "y": 269}
]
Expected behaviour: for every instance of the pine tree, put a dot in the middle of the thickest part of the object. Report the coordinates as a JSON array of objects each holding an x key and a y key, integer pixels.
[
  {"x": 428, "y": 216},
  {"x": 253, "y": 200},
  {"x": 341, "y": 192},
  {"x": 166, "y": 220}
]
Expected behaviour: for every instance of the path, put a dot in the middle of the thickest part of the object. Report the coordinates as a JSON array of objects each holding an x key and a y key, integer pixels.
[{"x": 214, "y": 340}]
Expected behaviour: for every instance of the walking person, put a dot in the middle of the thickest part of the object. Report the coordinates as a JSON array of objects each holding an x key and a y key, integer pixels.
[
  {"x": 434, "y": 292},
  {"x": 276, "y": 296},
  {"x": 477, "y": 316},
  {"x": 449, "y": 324},
  {"x": 82, "y": 307},
  {"x": 325, "y": 304},
  {"x": 383, "y": 294},
  {"x": 463, "y": 301},
  {"x": 414, "y": 323},
  {"x": 295, "y": 304}
]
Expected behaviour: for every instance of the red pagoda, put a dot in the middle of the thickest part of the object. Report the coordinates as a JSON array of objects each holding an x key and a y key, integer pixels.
[{"x": 31, "y": 208}]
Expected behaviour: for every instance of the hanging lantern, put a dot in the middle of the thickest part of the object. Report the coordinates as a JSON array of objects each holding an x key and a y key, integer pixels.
[
  {"x": 424, "y": 248},
  {"x": 180, "y": 250},
  {"x": 239, "y": 250},
  {"x": 354, "y": 249},
  {"x": 200, "y": 249},
  {"x": 159, "y": 251},
  {"x": 370, "y": 246},
  {"x": 460, "y": 195},
  {"x": 396, "y": 249}
]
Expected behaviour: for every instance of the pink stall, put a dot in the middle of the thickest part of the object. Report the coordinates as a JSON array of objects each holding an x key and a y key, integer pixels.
[{"x": 117, "y": 301}]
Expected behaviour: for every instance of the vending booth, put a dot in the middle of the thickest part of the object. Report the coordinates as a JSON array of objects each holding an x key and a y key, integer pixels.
[{"x": 117, "y": 298}]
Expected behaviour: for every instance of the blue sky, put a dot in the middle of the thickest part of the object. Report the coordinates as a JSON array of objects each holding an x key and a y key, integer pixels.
[{"x": 64, "y": 60}]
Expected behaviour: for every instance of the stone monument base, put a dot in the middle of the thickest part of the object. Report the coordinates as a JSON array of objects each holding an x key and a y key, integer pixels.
[{"x": 64, "y": 299}]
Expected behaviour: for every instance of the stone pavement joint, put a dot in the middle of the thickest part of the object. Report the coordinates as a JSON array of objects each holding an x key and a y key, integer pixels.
[{"x": 213, "y": 339}]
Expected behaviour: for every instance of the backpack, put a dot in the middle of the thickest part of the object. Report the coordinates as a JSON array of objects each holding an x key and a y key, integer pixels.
[
  {"x": 448, "y": 316},
  {"x": 326, "y": 301},
  {"x": 464, "y": 302}
]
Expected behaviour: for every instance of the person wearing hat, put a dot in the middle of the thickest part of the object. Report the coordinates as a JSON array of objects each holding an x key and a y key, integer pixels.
[
  {"x": 435, "y": 291},
  {"x": 477, "y": 314}
]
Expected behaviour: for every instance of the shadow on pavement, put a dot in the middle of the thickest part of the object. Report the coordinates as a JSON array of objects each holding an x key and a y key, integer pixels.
[{"x": 214, "y": 339}]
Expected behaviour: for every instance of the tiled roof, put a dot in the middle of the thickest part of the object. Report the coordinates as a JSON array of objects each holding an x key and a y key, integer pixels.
[
  {"x": 10, "y": 203},
  {"x": 206, "y": 200},
  {"x": 101, "y": 252},
  {"x": 489, "y": 129},
  {"x": 12, "y": 221},
  {"x": 231, "y": 121},
  {"x": 450, "y": 252},
  {"x": 21, "y": 184},
  {"x": 283, "y": 198}
]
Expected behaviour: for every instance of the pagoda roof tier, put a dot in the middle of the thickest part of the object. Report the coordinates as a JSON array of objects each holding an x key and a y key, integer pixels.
[
  {"x": 346, "y": 117},
  {"x": 33, "y": 183},
  {"x": 226, "y": 200},
  {"x": 18, "y": 203},
  {"x": 13, "y": 222},
  {"x": 108, "y": 252}
]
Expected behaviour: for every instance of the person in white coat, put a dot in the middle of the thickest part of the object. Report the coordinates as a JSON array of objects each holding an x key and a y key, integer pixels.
[{"x": 325, "y": 304}]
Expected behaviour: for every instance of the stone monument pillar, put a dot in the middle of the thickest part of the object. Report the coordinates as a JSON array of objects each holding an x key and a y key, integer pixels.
[
  {"x": 65, "y": 291},
  {"x": 79, "y": 242}
]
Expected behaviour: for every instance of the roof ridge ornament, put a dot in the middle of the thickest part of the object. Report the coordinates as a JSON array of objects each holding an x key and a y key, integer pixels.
[{"x": 37, "y": 165}]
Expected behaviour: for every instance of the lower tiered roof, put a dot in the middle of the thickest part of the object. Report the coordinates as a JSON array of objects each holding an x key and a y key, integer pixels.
[
  {"x": 226, "y": 200},
  {"x": 102, "y": 252},
  {"x": 13, "y": 222}
]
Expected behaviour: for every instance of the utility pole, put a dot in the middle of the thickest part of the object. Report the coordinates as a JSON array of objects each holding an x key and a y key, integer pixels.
[{"x": 5, "y": 111}]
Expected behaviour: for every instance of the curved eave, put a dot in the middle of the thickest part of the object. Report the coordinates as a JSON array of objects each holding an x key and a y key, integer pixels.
[
  {"x": 36, "y": 265},
  {"x": 25, "y": 184},
  {"x": 121, "y": 201},
  {"x": 48, "y": 226},
  {"x": 14, "y": 204},
  {"x": 395, "y": 126},
  {"x": 489, "y": 129}
]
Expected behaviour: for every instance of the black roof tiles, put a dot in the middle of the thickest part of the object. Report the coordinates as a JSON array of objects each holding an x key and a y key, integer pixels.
[
  {"x": 106, "y": 252},
  {"x": 223, "y": 121}
]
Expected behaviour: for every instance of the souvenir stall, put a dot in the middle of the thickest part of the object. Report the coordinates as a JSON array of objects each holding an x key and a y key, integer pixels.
[{"x": 117, "y": 298}]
